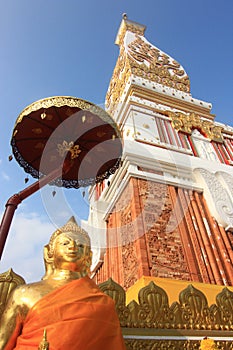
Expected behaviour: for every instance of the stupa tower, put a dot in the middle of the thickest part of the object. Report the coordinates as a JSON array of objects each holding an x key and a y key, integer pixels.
[{"x": 168, "y": 210}]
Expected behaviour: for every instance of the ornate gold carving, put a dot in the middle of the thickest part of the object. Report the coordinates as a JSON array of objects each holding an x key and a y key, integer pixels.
[
  {"x": 143, "y": 60},
  {"x": 191, "y": 312},
  {"x": 68, "y": 147},
  {"x": 133, "y": 344},
  {"x": 60, "y": 101},
  {"x": 186, "y": 123},
  {"x": 131, "y": 27},
  {"x": 224, "y": 302},
  {"x": 117, "y": 293},
  {"x": 56, "y": 101},
  {"x": 152, "y": 64},
  {"x": 8, "y": 281},
  {"x": 153, "y": 307},
  {"x": 194, "y": 308},
  {"x": 120, "y": 76}
]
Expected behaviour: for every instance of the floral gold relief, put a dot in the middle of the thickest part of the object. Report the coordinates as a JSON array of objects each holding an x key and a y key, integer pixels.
[
  {"x": 150, "y": 63},
  {"x": 191, "y": 318},
  {"x": 140, "y": 58},
  {"x": 190, "y": 312},
  {"x": 188, "y": 122},
  {"x": 68, "y": 147}
]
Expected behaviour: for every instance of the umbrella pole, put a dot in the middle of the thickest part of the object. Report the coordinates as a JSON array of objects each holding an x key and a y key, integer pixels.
[{"x": 17, "y": 198}]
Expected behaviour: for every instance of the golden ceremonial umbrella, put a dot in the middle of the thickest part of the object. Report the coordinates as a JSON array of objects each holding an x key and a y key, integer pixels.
[{"x": 65, "y": 141}]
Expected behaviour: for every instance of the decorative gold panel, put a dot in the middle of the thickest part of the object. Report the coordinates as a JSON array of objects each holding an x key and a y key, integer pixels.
[
  {"x": 149, "y": 62},
  {"x": 224, "y": 312},
  {"x": 193, "y": 309},
  {"x": 138, "y": 344},
  {"x": 161, "y": 344},
  {"x": 131, "y": 27},
  {"x": 186, "y": 123},
  {"x": 190, "y": 312},
  {"x": 60, "y": 101},
  {"x": 117, "y": 84},
  {"x": 140, "y": 58},
  {"x": 156, "y": 324},
  {"x": 117, "y": 293}
]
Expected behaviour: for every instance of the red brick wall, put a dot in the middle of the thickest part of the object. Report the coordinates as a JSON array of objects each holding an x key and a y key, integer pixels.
[{"x": 165, "y": 231}]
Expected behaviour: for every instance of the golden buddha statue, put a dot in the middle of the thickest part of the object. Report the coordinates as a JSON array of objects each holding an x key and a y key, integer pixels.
[{"x": 66, "y": 302}]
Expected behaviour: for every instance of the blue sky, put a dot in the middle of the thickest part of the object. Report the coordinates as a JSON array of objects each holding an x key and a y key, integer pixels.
[{"x": 54, "y": 47}]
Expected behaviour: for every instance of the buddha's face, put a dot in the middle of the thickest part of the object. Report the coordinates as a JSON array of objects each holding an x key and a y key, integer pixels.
[{"x": 70, "y": 249}]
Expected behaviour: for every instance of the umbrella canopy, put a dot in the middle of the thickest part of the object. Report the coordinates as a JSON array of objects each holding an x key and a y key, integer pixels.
[{"x": 67, "y": 133}]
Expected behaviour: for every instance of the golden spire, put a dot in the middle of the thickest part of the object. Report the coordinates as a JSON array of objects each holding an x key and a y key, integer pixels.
[
  {"x": 131, "y": 26},
  {"x": 140, "y": 58}
]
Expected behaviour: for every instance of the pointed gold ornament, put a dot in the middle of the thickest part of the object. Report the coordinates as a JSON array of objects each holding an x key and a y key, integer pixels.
[{"x": 44, "y": 344}]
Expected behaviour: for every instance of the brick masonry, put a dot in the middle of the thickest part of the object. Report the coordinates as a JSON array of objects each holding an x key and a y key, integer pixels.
[{"x": 164, "y": 231}]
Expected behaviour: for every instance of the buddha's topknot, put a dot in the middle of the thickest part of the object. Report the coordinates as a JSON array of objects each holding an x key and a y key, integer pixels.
[{"x": 70, "y": 226}]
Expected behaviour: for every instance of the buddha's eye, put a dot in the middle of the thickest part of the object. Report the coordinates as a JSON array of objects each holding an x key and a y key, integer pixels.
[
  {"x": 80, "y": 246},
  {"x": 65, "y": 243}
]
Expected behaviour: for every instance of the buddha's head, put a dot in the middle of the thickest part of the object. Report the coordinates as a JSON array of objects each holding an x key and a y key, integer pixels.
[{"x": 69, "y": 248}]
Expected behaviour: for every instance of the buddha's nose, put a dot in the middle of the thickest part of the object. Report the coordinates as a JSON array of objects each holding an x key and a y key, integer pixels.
[{"x": 72, "y": 245}]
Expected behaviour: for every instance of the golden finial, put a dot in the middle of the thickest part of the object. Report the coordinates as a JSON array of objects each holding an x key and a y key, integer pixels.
[{"x": 44, "y": 344}]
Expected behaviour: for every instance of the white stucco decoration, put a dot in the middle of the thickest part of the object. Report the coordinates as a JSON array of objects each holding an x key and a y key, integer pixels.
[{"x": 218, "y": 198}]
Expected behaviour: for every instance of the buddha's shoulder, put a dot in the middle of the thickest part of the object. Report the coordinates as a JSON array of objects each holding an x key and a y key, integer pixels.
[
  {"x": 30, "y": 287},
  {"x": 29, "y": 293}
]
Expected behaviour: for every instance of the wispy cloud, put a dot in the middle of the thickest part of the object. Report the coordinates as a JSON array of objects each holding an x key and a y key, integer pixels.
[
  {"x": 5, "y": 176},
  {"x": 23, "y": 251}
]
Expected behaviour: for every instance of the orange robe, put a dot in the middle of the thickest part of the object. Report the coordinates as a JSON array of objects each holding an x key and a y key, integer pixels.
[{"x": 77, "y": 316}]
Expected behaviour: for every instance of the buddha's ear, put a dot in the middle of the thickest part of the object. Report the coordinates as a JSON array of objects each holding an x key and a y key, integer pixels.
[
  {"x": 48, "y": 256},
  {"x": 48, "y": 261}
]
